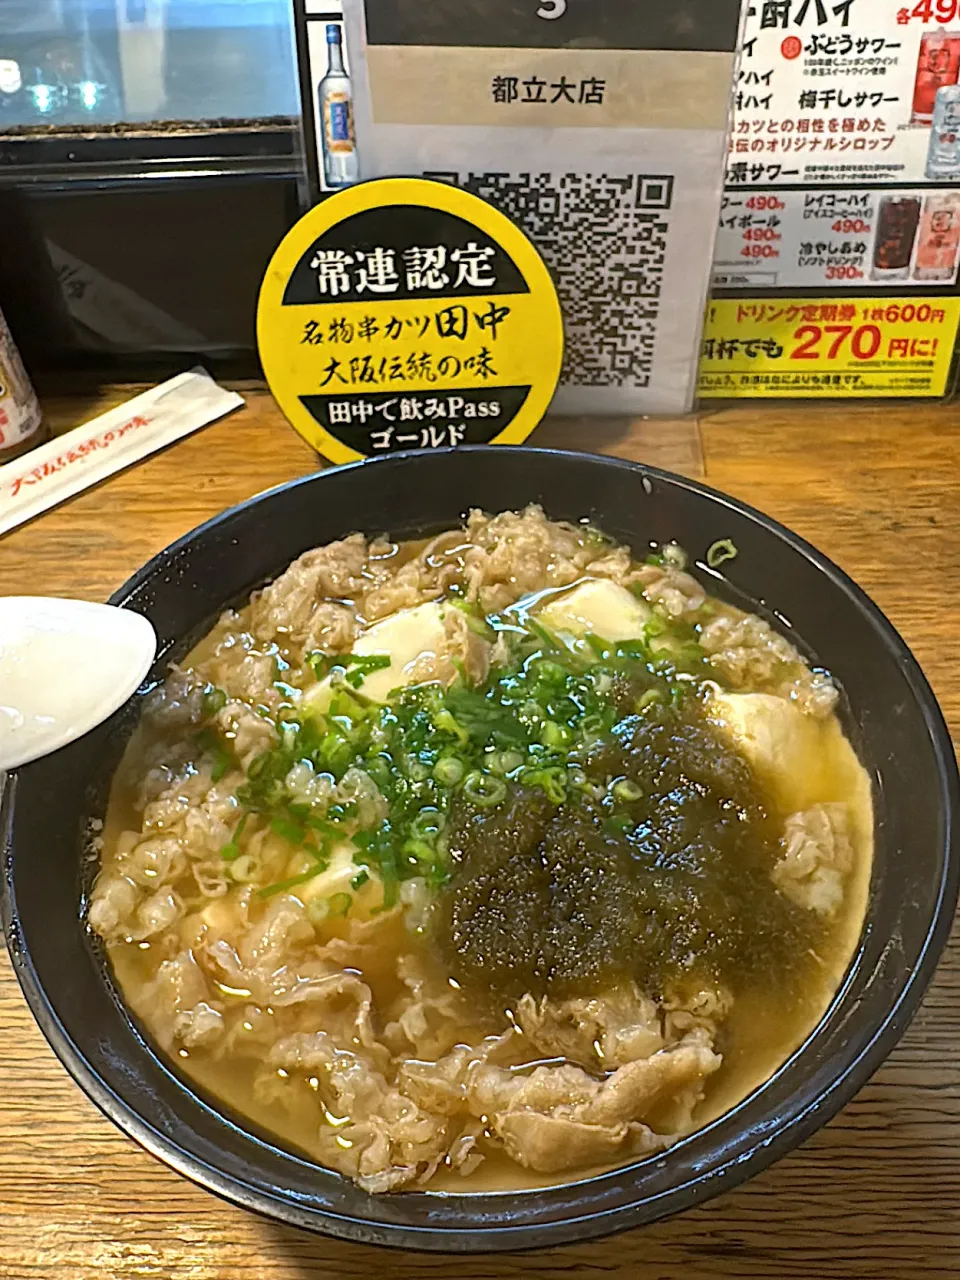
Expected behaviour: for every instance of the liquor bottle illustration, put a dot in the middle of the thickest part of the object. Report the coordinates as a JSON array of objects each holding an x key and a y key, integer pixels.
[
  {"x": 943, "y": 156},
  {"x": 340, "y": 164},
  {"x": 939, "y": 243}
]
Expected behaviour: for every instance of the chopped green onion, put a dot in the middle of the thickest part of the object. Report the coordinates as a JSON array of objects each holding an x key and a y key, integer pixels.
[
  {"x": 232, "y": 850},
  {"x": 550, "y": 642},
  {"x": 259, "y": 765},
  {"x": 483, "y": 789},
  {"x": 448, "y": 771},
  {"x": 648, "y": 699},
  {"x": 536, "y": 719},
  {"x": 214, "y": 700},
  {"x": 554, "y": 735},
  {"x": 290, "y": 831},
  {"x": 551, "y": 672},
  {"x": 343, "y": 812},
  {"x": 366, "y": 666},
  {"x": 336, "y": 751},
  {"x": 221, "y": 755},
  {"x": 532, "y": 711},
  {"x": 243, "y": 869},
  {"x": 599, "y": 647},
  {"x": 618, "y": 825},
  {"x": 626, "y": 790},
  {"x": 428, "y": 824},
  {"x": 320, "y": 662},
  {"x": 504, "y": 762},
  {"x": 602, "y": 682},
  {"x": 445, "y": 721},
  {"x": 419, "y": 851},
  {"x": 389, "y": 877},
  {"x": 551, "y": 781},
  {"x": 474, "y": 618},
  {"x": 354, "y": 666},
  {"x": 417, "y": 770},
  {"x": 596, "y": 537},
  {"x": 653, "y": 628},
  {"x": 346, "y": 707},
  {"x": 632, "y": 650},
  {"x": 720, "y": 552},
  {"x": 283, "y": 885},
  {"x": 319, "y": 824}
]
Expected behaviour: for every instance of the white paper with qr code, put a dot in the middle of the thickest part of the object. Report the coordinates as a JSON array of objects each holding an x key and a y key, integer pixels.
[
  {"x": 600, "y": 128},
  {"x": 88, "y": 454}
]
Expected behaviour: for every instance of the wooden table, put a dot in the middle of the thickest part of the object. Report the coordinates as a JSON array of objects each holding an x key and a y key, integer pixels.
[{"x": 875, "y": 1194}]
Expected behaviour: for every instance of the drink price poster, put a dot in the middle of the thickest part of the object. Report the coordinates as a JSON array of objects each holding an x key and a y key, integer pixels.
[
  {"x": 598, "y": 127},
  {"x": 837, "y": 259}
]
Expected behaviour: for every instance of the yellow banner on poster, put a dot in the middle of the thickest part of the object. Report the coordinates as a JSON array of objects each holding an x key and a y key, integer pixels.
[{"x": 803, "y": 348}]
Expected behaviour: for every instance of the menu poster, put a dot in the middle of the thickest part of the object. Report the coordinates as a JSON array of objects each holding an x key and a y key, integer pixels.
[
  {"x": 600, "y": 128},
  {"x": 845, "y": 156}
]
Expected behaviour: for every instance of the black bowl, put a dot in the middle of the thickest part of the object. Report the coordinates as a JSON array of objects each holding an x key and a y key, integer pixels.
[{"x": 891, "y": 715}]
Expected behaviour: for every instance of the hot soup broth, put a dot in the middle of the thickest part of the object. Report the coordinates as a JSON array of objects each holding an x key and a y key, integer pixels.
[{"x": 484, "y": 861}]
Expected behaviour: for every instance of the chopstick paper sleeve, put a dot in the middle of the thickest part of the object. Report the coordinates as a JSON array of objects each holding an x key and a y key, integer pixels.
[{"x": 86, "y": 455}]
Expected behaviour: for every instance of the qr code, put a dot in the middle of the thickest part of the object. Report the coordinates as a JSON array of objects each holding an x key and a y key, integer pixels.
[{"x": 604, "y": 239}]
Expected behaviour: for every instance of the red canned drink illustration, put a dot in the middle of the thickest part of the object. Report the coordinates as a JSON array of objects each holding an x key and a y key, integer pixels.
[{"x": 937, "y": 65}]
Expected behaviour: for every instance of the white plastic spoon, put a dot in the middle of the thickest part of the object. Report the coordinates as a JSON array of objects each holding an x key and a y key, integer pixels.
[{"x": 65, "y": 667}]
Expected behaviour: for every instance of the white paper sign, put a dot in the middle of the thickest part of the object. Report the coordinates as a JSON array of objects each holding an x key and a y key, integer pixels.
[{"x": 600, "y": 129}]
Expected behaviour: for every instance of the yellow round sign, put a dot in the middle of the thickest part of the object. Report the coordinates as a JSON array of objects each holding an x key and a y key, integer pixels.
[{"x": 408, "y": 314}]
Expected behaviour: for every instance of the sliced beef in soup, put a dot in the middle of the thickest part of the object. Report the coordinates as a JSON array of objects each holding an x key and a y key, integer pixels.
[{"x": 483, "y": 859}]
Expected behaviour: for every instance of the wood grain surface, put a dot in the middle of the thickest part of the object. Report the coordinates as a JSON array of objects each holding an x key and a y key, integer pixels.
[{"x": 874, "y": 1194}]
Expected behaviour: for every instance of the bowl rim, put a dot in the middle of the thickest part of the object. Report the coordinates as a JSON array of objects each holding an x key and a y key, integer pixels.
[{"x": 731, "y": 1170}]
